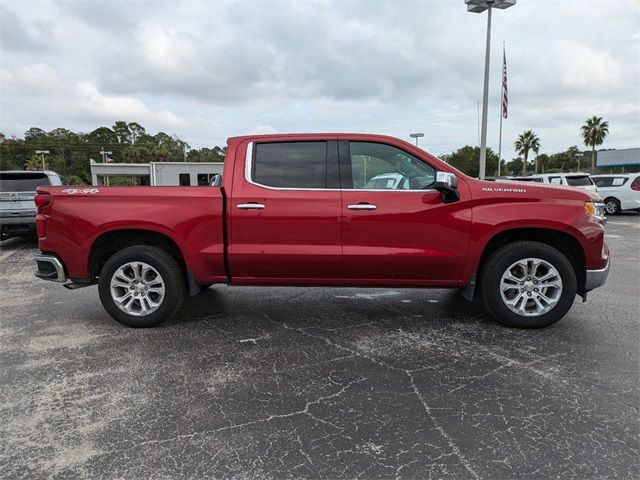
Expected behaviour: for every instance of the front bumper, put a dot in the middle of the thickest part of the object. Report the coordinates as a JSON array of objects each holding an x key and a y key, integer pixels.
[
  {"x": 50, "y": 268},
  {"x": 596, "y": 278}
]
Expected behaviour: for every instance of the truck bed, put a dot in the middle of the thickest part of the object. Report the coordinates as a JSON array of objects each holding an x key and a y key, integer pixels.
[{"x": 190, "y": 216}]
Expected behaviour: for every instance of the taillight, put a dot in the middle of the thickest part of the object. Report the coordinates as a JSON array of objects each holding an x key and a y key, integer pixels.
[
  {"x": 42, "y": 200},
  {"x": 636, "y": 185}
]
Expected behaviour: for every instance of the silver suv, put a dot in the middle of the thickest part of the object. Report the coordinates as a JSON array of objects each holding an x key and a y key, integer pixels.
[{"x": 17, "y": 206}]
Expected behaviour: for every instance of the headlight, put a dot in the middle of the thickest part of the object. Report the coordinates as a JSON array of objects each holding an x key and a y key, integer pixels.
[{"x": 595, "y": 209}]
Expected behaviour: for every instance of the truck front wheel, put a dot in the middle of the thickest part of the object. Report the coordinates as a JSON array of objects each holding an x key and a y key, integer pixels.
[
  {"x": 141, "y": 286},
  {"x": 528, "y": 284}
]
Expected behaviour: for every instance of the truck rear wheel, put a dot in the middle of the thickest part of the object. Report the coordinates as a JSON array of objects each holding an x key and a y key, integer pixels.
[
  {"x": 528, "y": 285},
  {"x": 141, "y": 286}
]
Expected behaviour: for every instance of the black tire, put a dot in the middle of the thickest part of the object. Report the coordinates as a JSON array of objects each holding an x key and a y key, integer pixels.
[
  {"x": 612, "y": 206},
  {"x": 170, "y": 272},
  {"x": 505, "y": 256}
]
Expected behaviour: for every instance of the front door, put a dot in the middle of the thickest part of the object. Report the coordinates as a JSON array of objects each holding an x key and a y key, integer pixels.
[
  {"x": 396, "y": 228},
  {"x": 285, "y": 213}
]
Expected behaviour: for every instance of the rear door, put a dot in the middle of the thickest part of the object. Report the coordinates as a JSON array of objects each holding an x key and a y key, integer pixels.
[
  {"x": 394, "y": 235},
  {"x": 285, "y": 213}
]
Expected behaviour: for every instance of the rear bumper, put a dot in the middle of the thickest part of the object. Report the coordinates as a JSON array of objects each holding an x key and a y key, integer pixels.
[
  {"x": 596, "y": 278},
  {"x": 50, "y": 268},
  {"x": 10, "y": 217}
]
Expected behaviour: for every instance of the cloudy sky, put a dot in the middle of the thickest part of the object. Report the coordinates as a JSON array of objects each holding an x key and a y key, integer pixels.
[{"x": 207, "y": 70}]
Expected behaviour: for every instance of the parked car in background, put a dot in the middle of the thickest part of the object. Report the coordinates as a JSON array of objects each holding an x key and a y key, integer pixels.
[
  {"x": 620, "y": 191},
  {"x": 388, "y": 181},
  {"x": 578, "y": 180},
  {"x": 397, "y": 181},
  {"x": 522, "y": 179},
  {"x": 17, "y": 205}
]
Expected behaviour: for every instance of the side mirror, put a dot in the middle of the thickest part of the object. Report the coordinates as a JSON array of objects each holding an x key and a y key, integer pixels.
[
  {"x": 216, "y": 180},
  {"x": 447, "y": 184}
]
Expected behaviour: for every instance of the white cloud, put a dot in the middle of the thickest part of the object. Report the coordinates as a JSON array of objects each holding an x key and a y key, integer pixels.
[
  {"x": 209, "y": 70},
  {"x": 90, "y": 102}
]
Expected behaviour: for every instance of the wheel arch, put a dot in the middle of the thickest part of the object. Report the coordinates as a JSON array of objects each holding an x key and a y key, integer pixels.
[
  {"x": 112, "y": 241},
  {"x": 567, "y": 244}
]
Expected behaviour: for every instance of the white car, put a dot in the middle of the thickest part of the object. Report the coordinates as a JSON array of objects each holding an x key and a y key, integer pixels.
[
  {"x": 397, "y": 181},
  {"x": 577, "y": 180},
  {"x": 620, "y": 191},
  {"x": 388, "y": 181}
]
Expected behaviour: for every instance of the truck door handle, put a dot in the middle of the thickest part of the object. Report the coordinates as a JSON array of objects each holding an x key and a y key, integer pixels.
[
  {"x": 251, "y": 206},
  {"x": 361, "y": 206}
]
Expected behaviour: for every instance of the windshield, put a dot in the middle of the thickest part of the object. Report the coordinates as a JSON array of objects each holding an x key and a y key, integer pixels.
[
  {"x": 22, "y": 182},
  {"x": 579, "y": 181}
]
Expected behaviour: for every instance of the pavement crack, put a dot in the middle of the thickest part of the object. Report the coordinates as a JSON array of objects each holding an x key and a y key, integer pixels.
[{"x": 465, "y": 463}]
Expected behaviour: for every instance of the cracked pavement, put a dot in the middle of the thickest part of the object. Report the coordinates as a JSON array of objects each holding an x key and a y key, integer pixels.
[{"x": 318, "y": 383}]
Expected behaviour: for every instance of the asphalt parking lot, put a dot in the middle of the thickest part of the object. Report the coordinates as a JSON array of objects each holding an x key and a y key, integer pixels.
[{"x": 333, "y": 383}]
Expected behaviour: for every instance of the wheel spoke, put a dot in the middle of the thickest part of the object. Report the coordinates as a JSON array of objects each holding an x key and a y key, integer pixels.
[{"x": 123, "y": 276}]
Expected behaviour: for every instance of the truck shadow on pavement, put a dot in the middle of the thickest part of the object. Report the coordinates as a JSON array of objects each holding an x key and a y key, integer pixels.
[
  {"x": 320, "y": 307},
  {"x": 16, "y": 243}
]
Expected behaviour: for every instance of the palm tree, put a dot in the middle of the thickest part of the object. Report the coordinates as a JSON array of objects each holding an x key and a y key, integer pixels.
[
  {"x": 593, "y": 133},
  {"x": 526, "y": 141},
  {"x": 34, "y": 163}
]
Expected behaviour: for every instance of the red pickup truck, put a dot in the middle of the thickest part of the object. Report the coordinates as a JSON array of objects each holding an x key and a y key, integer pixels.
[{"x": 327, "y": 210}]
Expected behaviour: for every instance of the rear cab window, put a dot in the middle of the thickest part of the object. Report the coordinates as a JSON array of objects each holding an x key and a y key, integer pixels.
[
  {"x": 294, "y": 165},
  {"x": 22, "y": 181}
]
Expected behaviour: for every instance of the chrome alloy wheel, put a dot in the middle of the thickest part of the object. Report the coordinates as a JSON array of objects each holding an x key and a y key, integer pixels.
[
  {"x": 531, "y": 287},
  {"x": 137, "y": 289}
]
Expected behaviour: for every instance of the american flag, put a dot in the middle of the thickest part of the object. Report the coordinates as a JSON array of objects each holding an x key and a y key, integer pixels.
[{"x": 505, "y": 89}]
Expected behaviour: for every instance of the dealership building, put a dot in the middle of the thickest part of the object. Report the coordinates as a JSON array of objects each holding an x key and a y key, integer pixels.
[
  {"x": 157, "y": 173},
  {"x": 619, "y": 161}
]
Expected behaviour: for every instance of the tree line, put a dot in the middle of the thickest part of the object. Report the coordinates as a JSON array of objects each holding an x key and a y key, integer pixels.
[
  {"x": 593, "y": 133},
  {"x": 70, "y": 152}
]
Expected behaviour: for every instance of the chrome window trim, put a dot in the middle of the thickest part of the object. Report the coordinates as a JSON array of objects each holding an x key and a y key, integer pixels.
[{"x": 248, "y": 163}]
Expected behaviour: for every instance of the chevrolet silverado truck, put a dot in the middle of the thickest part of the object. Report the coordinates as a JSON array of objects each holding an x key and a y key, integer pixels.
[{"x": 300, "y": 210}]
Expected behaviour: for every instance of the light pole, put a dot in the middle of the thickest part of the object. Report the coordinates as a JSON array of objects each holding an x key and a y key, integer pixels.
[
  {"x": 104, "y": 154},
  {"x": 416, "y": 136},
  {"x": 479, "y": 6},
  {"x": 42, "y": 153}
]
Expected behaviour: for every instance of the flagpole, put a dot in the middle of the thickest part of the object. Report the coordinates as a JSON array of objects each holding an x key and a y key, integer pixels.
[
  {"x": 500, "y": 140},
  {"x": 501, "y": 107}
]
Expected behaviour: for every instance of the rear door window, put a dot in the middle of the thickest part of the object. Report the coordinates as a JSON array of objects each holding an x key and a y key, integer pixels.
[
  {"x": 22, "y": 182},
  {"x": 603, "y": 181},
  {"x": 290, "y": 164}
]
